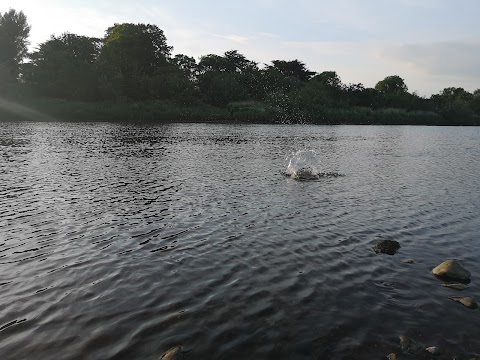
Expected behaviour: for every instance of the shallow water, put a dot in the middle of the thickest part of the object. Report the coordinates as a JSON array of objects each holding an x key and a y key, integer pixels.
[{"x": 120, "y": 241}]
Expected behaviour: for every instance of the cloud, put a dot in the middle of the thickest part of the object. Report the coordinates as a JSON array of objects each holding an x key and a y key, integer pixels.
[
  {"x": 235, "y": 38},
  {"x": 436, "y": 65},
  {"x": 452, "y": 58}
]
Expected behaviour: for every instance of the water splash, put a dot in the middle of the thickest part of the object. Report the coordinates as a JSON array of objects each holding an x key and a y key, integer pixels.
[{"x": 303, "y": 165}]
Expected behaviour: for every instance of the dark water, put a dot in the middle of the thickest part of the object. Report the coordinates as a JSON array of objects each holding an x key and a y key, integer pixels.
[{"x": 118, "y": 242}]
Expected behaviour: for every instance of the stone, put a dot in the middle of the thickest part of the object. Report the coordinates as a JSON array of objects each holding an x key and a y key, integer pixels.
[
  {"x": 408, "y": 261},
  {"x": 453, "y": 270},
  {"x": 173, "y": 353},
  {"x": 433, "y": 350},
  {"x": 389, "y": 247},
  {"x": 409, "y": 346},
  {"x": 456, "y": 286},
  {"x": 392, "y": 356},
  {"x": 466, "y": 301}
]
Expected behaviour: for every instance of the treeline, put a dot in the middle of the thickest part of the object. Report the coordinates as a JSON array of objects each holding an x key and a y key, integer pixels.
[{"x": 133, "y": 67}]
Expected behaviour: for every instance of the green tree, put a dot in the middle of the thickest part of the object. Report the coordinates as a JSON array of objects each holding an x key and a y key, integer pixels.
[
  {"x": 294, "y": 68},
  {"x": 454, "y": 104},
  {"x": 329, "y": 79},
  {"x": 64, "y": 67},
  {"x": 14, "y": 32},
  {"x": 228, "y": 78},
  {"x": 392, "y": 85},
  {"x": 323, "y": 90},
  {"x": 187, "y": 65},
  {"x": 134, "y": 52},
  {"x": 475, "y": 102}
]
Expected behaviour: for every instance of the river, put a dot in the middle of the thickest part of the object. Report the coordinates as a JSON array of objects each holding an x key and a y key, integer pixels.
[{"x": 120, "y": 241}]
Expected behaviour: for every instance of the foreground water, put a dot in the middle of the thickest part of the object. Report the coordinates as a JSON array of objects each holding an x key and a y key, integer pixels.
[{"x": 120, "y": 241}]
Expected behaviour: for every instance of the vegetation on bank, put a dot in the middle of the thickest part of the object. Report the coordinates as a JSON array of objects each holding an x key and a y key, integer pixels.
[{"x": 131, "y": 75}]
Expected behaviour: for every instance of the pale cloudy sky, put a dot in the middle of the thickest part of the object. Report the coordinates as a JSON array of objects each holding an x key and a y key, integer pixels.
[{"x": 432, "y": 44}]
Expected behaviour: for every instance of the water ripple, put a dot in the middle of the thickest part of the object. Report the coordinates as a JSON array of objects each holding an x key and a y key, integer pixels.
[{"x": 121, "y": 241}]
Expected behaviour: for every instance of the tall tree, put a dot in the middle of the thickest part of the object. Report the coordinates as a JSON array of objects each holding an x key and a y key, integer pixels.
[
  {"x": 329, "y": 79},
  {"x": 187, "y": 64},
  {"x": 14, "y": 32},
  {"x": 64, "y": 67},
  {"x": 392, "y": 85},
  {"x": 135, "y": 48},
  {"x": 134, "y": 52},
  {"x": 228, "y": 78},
  {"x": 294, "y": 68}
]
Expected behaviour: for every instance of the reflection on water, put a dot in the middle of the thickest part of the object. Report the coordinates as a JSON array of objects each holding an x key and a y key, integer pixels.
[{"x": 120, "y": 241}]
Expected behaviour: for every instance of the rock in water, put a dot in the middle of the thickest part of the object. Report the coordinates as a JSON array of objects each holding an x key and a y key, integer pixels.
[
  {"x": 433, "y": 350},
  {"x": 392, "y": 356},
  {"x": 410, "y": 347},
  {"x": 408, "y": 261},
  {"x": 456, "y": 286},
  {"x": 389, "y": 247},
  {"x": 466, "y": 301},
  {"x": 452, "y": 269},
  {"x": 172, "y": 354}
]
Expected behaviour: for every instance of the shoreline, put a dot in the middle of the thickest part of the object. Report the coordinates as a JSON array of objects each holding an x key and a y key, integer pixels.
[{"x": 55, "y": 110}]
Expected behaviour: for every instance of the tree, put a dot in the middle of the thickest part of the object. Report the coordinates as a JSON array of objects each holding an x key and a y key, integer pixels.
[
  {"x": 454, "y": 104},
  {"x": 135, "y": 48},
  {"x": 324, "y": 90},
  {"x": 456, "y": 94},
  {"x": 294, "y": 68},
  {"x": 237, "y": 62},
  {"x": 187, "y": 65},
  {"x": 329, "y": 79},
  {"x": 392, "y": 85},
  {"x": 64, "y": 67},
  {"x": 475, "y": 102},
  {"x": 134, "y": 52},
  {"x": 227, "y": 78},
  {"x": 14, "y": 32}
]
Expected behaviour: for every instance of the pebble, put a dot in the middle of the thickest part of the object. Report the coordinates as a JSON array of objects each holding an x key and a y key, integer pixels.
[
  {"x": 433, "y": 350},
  {"x": 389, "y": 247},
  {"x": 456, "y": 286},
  {"x": 453, "y": 270},
  {"x": 172, "y": 353},
  {"x": 466, "y": 301}
]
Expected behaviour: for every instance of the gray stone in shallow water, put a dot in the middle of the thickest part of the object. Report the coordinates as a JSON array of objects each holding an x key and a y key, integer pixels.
[
  {"x": 452, "y": 269},
  {"x": 456, "y": 286},
  {"x": 410, "y": 347},
  {"x": 172, "y": 354},
  {"x": 466, "y": 301},
  {"x": 389, "y": 247},
  {"x": 433, "y": 350},
  {"x": 408, "y": 261}
]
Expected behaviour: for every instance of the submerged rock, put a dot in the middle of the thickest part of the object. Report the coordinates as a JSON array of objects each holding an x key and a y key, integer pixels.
[
  {"x": 409, "y": 346},
  {"x": 433, "y": 350},
  {"x": 172, "y": 354},
  {"x": 453, "y": 270},
  {"x": 305, "y": 174},
  {"x": 466, "y": 301},
  {"x": 408, "y": 261},
  {"x": 389, "y": 247},
  {"x": 456, "y": 286}
]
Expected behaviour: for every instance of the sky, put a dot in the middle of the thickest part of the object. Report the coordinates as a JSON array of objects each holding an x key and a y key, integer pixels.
[{"x": 431, "y": 44}]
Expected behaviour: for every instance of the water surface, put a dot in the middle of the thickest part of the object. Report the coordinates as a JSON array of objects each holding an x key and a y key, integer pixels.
[{"x": 120, "y": 241}]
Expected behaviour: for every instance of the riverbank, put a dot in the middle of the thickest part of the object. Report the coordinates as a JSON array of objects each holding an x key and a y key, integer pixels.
[{"x": 47, "y": 109}]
